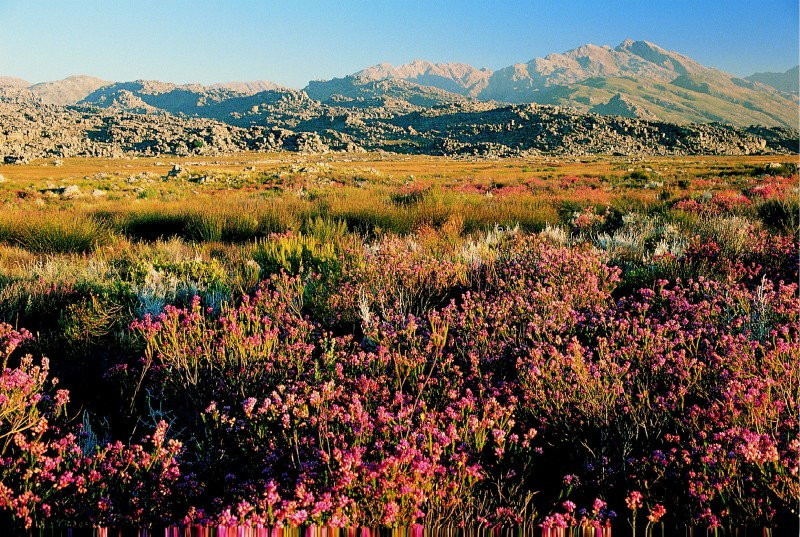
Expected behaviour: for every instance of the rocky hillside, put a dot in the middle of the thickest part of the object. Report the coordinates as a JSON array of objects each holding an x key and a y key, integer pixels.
[
  {"x": 234, "y": 103},
  {"x": 395, "y": 94},
  {"x": 36, "y": 130},
  {"x": 241, "y": 105},
  {"x": 457, "y": 78},
  {"x": 634, "y": 99},
  {"x": 787, "y": 82},
  {"x": 67, "y": 91},
  {"x": 29, "y": 131},
  {"x": 248, "y": 88},
  {"x": 62, "y": 92},
  {"x": 13, "y": 82},
  {"x": 634, "y": 59}
]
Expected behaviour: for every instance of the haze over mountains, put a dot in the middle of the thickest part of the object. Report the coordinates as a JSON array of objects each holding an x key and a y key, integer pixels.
[{"x": 634, "y": 79}]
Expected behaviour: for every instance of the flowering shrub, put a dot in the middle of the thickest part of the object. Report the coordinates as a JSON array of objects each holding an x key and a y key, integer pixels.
[
  {"x": 340, "y": 432},
  {"x": 722, "y": 202},
  {"x": 512, "y": 379},
  {"x": 44, "y": 474},
  {"x": 535, "y": 378},
  {"x": 772, "y": 187},
  {"x": 588, "y": 219}
]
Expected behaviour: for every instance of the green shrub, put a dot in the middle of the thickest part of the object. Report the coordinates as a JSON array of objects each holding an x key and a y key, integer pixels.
[
  {"x": 204, "y": 227},
  {"x": 242, "y": 227},
  {"x": 781, "y": 215},
  {"x": 295, "y": 253},
  {"x": 54, "y": 233},
  {"x": 325, "y": 231},
  {"x": 405, "y": 199},
  {"x": 567, "y": 209},
  {"x": 147, "y": 194},
  {"x": 783, "y": 168},
  {"x": 637, "y": 176},
  {"x": 89, "y": 320}
]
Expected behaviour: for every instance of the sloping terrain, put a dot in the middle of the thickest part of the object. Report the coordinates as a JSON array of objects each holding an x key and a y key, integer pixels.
[
  {"x": 654, "y": 81},
  {"x": 788, "y": 81},
  {"x": 67, "y": 91},
  {"x": 36, "y": 130},
  {"x": 11, "y": 81},
  {"x": 250, "y": 87},
  {"x": 636, "y": 98},
  {"x": 232, "y": 103},
  {"x": 458, "y": 78},
  {"x": 686, "y": 99},
  {"x": 636, "y": 78},
  {"x": 357, "y": 91}
]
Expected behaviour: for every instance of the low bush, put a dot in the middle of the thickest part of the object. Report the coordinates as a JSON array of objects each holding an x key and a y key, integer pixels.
[{"x": 54, "y": 233}]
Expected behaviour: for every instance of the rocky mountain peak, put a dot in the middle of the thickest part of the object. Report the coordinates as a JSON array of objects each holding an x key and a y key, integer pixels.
[{"x": 652, "y": 53}]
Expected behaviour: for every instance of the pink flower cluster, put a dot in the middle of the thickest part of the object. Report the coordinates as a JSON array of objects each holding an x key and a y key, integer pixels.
[{"x": 45, "y": 473}]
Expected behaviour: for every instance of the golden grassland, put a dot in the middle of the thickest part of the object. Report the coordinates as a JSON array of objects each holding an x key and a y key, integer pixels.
[
  {"x": 420, "y": 166},
  {"x": 240, "y": 198}
]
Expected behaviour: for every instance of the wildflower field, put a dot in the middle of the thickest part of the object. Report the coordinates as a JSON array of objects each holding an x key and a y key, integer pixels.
[{"x": 382, "y": 341}]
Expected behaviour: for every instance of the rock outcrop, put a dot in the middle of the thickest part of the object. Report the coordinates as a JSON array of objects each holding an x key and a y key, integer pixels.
[{"x": 31, "y": 130}]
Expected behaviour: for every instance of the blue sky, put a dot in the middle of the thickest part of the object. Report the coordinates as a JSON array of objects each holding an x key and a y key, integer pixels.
[{"x": 292, "y": 41}]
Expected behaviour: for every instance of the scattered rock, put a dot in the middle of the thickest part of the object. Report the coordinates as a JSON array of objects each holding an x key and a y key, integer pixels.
[
  {"x": 175, "y": 171},
  {"x": 352, "y": 147},
  {"x": 70, "y": 192}
]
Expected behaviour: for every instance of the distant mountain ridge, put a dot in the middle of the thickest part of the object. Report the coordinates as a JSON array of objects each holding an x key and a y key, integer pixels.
[
  {"x": 459, "y": 78},
  {"x": 519, "y": 82},
  {"x": 636, "y": 79},
  {"x": 249, "y": 88},
  {"x": 236, "y": 103},
  {"x": 13, "y": 82},
  {"x": 67, "y": 91},
  {"x": 60, "y": 92},
  {"x": 359, "y": 91},
  {"x": 788, "y": 81},
  {"x": 77, "y": 88}
]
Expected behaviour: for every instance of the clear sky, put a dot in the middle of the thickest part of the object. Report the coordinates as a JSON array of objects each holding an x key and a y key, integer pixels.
[{"x": 293, "y": 41}]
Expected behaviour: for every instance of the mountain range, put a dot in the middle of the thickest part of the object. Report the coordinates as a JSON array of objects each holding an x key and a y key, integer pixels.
[{"x": 636, "y": 79}]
